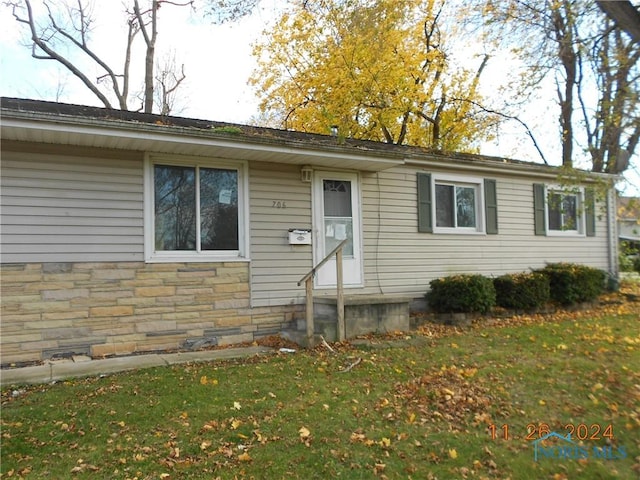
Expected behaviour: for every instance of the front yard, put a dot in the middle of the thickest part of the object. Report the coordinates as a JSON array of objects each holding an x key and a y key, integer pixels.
[{"x": 440, "y": 403}]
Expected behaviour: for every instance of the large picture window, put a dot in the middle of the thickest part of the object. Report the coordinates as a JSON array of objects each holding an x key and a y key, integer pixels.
[{"x": 196, "y": 210}]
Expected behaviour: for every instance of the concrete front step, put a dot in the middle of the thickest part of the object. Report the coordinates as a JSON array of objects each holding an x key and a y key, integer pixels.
[
  {"x": 363, "y": 314},
  {"x": 363, "y": 299}
]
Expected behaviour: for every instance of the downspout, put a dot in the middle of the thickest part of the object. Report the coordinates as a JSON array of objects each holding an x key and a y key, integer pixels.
[{"x": 612, "y": 235}]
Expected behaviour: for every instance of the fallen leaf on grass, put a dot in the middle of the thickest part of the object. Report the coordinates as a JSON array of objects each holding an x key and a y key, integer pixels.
[
  {"x": 203, "y": 380},
  {"x": 445, "y": 394},
  {"x": 385, "y": 442},
  {"x": 244, "y": 457},
  {"x": 305, "y": 436}
]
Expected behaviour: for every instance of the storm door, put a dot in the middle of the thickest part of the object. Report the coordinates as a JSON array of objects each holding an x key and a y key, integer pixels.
[{"x": 337, "y": 218}]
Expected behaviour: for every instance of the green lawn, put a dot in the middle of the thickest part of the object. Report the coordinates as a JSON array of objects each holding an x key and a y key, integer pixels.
[{"x": 436, "y": 403}]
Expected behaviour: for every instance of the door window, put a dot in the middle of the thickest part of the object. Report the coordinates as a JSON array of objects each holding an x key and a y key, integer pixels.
[{"x": 338, "y": 215}]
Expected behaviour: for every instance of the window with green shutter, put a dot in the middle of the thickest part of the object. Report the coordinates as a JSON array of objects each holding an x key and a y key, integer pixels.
[
  {"x": 424, "y": 203},
  {"x": 539, "y": 212},
  {"x": 491, "y": 206},
  {"x": 560, "y": 211},
  {"x": 590, "y": 212},
  {"x": 456, "y": 204}
]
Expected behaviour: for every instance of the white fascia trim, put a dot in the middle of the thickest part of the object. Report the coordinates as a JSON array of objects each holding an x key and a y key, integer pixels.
[
  {"x": 530, "y": 170},
  {"x": 96, "y": 133}
]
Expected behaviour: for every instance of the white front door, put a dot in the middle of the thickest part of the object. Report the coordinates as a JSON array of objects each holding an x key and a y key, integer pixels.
[{"x": 336, "y": 208}]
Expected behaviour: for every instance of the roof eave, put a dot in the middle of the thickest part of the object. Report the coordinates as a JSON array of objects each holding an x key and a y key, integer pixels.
[
  {"x": 153, "y": 138},
  {"x": 267, "y": 146},
  {"x": 496, "y": 165}
]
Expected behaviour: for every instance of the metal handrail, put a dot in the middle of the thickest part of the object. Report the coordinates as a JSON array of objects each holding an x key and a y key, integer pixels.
[{"x": 308, "y": 279}]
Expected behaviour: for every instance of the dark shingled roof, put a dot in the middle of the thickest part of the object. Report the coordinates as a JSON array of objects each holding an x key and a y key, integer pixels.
[
  {"x": 255, "y": 134},
  {"x": 70, "y": 110}
]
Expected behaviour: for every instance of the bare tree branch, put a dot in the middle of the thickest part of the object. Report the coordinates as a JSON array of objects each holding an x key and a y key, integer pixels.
[
  {"x": 623, "y": 13},
  {"x": 167, "y": 82},
  {"x": 72, "y": 30},
  {"x": 83, "y": 46},
  {"x": 222, "y": 11},
  {"x": 38, "y": 42},
  {"x": 509, "y": 117}
]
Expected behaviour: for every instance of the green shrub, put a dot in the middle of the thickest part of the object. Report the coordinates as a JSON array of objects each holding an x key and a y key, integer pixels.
[
  {"x": 462, "y": 294},
  {"x": 522, "y": 291},
  {"x": 571, "y": 283},
  {"x": 627, "y": 256}
]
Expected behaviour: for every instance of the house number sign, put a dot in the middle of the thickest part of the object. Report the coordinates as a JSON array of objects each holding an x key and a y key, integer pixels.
[{"x": 279, "y": 204}]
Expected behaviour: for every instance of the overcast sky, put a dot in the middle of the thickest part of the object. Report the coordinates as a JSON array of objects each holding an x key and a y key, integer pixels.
[{"x": 218, "y": 63}]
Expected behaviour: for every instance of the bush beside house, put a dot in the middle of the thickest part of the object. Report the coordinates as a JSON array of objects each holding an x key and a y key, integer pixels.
[
  {"x": 571, "y": 283},
  {"x": 522, "y": 291},
  {"x": 462, "y": 294},
  {"x": 565, "y": 284}
]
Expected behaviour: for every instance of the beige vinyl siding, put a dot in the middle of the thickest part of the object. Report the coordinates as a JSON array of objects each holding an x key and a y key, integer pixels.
[
  {"x": 277, "y": 266},
  {"x": 398, "y": 259},
  {"x": 71, "y": 206}
]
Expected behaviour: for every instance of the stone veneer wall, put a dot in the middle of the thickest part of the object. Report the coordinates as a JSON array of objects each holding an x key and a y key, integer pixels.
[{"x": 98, "y": 309}]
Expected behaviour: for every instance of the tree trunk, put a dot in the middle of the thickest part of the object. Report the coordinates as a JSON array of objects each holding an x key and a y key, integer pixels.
[{"x": 563, "y": 27}]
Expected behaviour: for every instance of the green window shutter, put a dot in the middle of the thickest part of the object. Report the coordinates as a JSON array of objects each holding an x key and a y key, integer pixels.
[
  {"x": 590, "y": 212},
  {"x": 539, "y": 209},
  {"x": 424, "y": 203},
  {"x": 491, "y": 206}
]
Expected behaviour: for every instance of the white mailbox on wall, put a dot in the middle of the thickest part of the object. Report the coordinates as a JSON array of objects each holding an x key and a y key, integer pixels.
[{"x": 299, "y": 236}]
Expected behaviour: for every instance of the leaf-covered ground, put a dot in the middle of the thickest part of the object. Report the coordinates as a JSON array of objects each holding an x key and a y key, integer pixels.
[{"x": 440, "y": 403}]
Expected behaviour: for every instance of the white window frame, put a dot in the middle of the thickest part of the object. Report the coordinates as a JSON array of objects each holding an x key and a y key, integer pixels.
[
  {"x": 459, "y": 181},
  {"x": 153, "y": 256},
  {"x": 578, "y": 192}
]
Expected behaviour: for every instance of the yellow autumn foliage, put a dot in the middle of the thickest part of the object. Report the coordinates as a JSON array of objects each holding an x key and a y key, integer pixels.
[{"x": 376, "y": 70}]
